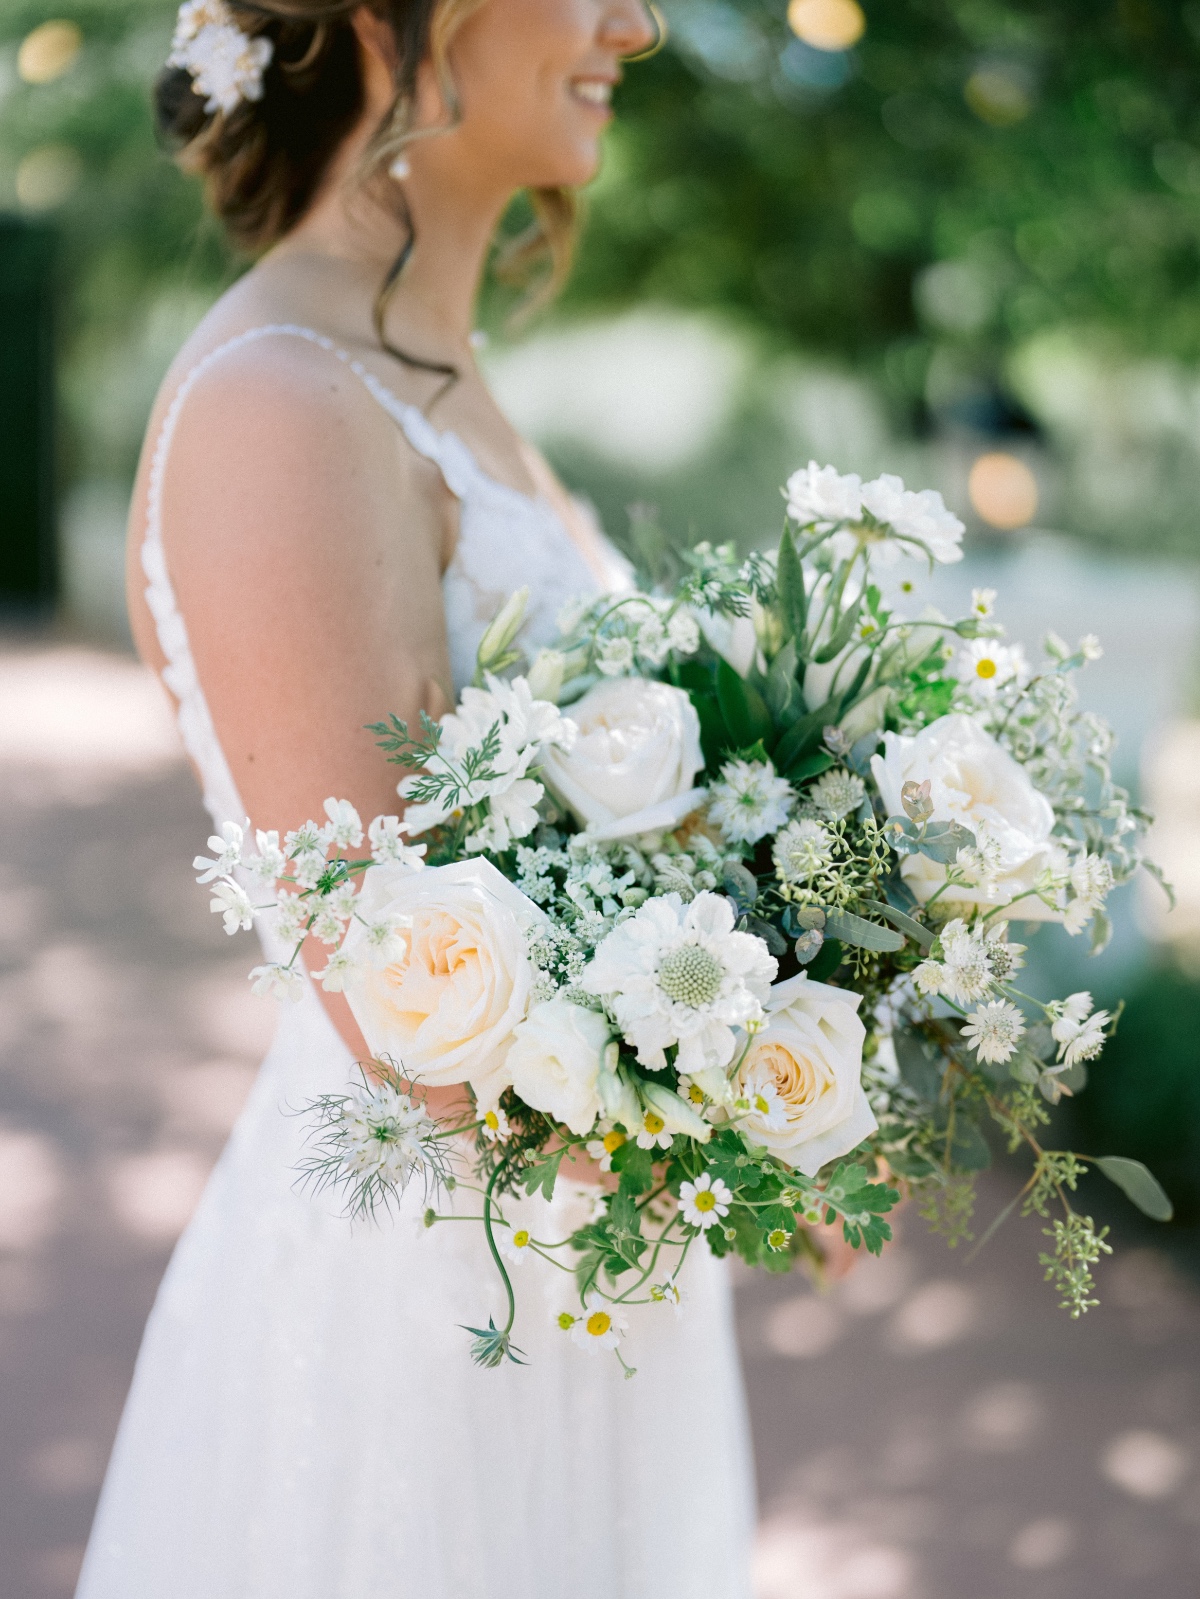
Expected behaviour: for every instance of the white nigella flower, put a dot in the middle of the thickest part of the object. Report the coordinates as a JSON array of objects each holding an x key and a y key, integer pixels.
[
  {"x": 614, "y": 656},
  {"x": 388, "y": 847},
  {"x": 270, "y": 862},
  {"x": 385, "y": 941},
  {"x": 704, "y": 1202},
  {"x": 338, "y": 972},
  {"x": 601, "y": 1327},
  {"x": 683, "y": 633},
  {"x": 800, "y": 851},
  {"x": 984, "y": 665},
  {"x": 344, "y": 830},
  {"x": 514, "y": 1245},
  {"x": 278, "y": 982},
  {"x": 994, "y": 1030},
  {"x": 749, "y": 800},
  {"x": 383, "y": 1132},
  {"x": 679, "y": 974},
  {"x": 921, "y": 522},
  {"x": 820, "y": 495},
  {"x": 227, "y": 849},
  {"x": 230, "y": 900},
  {"x": 983, "y": 602},
  {"x": 837, "y": 793}
]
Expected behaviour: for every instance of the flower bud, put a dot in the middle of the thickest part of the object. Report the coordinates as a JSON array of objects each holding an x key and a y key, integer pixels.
[
  {"x": 545, "y": 676},
  {"x": 498, "y": 638}
]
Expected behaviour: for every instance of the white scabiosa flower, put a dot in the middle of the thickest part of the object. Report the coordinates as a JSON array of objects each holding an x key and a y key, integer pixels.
[
  {"x": 920, "y": 521},
  {"x": 278, "y": 982},
  {"x": 800, "y": 851},
  {"x": 749, "y": 800},
  {"x": 994, "y": 1030},
  {"x": 679, "y": 974},
  {"x": 704, "y": 1202},
  {"x": 837, "y": 793},
  {"x": 227, "y": 851},
  {"x": 601, "y": 1327},
  {"x": 230, "y": 900},
  {"x": 344, "y": 829},
  {"x": 819, "y": 494}
]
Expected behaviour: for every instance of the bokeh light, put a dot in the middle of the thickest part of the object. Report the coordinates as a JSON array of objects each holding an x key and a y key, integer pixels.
[
  {"x": 47, "y": 176},
  {"x": 827, "y": 24},
  {"x": 48, "y": 51},
  {"x": 997, "y": 95},
  {"x": 1003, "y": 490}
]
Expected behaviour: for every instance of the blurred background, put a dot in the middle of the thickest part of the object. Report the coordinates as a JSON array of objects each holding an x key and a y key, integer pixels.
[{"x": 955, "y": 239}]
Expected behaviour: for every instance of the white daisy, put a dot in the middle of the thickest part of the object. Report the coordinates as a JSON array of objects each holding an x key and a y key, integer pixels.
[
  {"x": 654, "y": 1132},
  {"x": 984, "y": 665},
  {"x": 602, "y": 1327},
  {"x": 760, "y": 1100},
  {"x": 993, "y": 1031},
  {"x": 603, "y": 1149},
  {"x": 679, "y": 974},
  {"x": 983, "y": 602},
  {"x": 514, "y": 1246},
  {"x": 749, "y": 800},
  {"x": 668, "y": 1293},
  {"x": 800, "y": 851},
  {"x": 705, "y": 1201},
  {"x": 494, "y": 1124}
]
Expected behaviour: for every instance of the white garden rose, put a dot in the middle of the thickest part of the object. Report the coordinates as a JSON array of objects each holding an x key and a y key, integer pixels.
[
  {"x": 447, "y": 1010},
  {"x": 803, "y": 1076},
  {"x": 637, "y": 749},
  {"x": 975, "y": 782},
  {"x": 554, "y": 1063}
]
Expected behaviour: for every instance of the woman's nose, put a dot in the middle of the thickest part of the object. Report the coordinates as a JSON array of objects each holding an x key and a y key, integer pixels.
[{"x": 630, "y": 27}]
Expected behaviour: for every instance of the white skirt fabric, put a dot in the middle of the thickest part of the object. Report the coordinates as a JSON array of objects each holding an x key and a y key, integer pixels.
[{"x": 305, "y": 1421}]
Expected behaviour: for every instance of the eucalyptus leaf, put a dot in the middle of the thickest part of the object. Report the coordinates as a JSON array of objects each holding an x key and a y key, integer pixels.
[
  {"x": 910, "y": 928},
  {"x": 865, "y": 935},
  {"x": 943, "y": 840},
  {"x": 740, "y": 884},
  {"x": 793, "y": 595},
  {"x": 1139, "y": 1183},
  {"x": 921, "y": 1063},
  {"x": 770, "y": 934},
  {"x": 803, "y": 918}
]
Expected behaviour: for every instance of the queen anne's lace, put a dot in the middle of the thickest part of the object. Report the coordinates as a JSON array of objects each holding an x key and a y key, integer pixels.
[{"x": 226, "y": 65}]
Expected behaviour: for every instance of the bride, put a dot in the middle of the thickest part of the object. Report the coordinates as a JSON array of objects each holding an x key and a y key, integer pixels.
[{"x": 330, "y": 509}]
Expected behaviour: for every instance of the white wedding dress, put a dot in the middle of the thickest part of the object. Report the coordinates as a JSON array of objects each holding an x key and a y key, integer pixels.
[{"x": 305, "y": 1421}]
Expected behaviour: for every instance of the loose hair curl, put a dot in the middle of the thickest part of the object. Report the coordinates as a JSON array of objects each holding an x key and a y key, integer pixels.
[{"x": 263, "y": 163}]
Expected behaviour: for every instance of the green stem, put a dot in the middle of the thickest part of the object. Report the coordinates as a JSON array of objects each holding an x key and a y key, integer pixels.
[{"x": 487, "y": 1227}]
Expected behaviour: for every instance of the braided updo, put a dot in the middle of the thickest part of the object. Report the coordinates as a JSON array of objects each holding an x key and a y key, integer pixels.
[{"x": 263, "y": 162}]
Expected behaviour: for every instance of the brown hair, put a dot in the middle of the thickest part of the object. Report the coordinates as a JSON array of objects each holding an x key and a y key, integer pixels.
[{"x": 263, "y": 162}]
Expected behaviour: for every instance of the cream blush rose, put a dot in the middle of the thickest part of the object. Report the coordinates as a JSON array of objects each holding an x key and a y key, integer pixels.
[{"x": 555, "y": 1061}]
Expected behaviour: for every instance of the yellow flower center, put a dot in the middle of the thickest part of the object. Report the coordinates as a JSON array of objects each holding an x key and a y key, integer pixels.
[
  {"x": 761, "y": 1105},
  {"x": 705, "y": 1199},
  {"x": 695, "y": 1094},
  {"x": 566, "y": 1321},
  {"x": 598, "y": 1323},
  {"x": 613, "y": 1142},
  {"x": 653, "y": 1123},
  {"x": 492, "y": 1120},
  {"x": 521, "y": 1238},
  {"x": 985, "y": 668}
]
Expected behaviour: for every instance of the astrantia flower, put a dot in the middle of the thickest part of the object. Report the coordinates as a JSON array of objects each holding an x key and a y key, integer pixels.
[
  {"x": 749, "y": 800},
  {"x": 344, "y": 829},
  {"x": 984, "y": 665},
  {"x": 514, "y": 1246},
  {"x": 230, "y": 900},
  {"x": 602, "y": 1325},
  {"x": 929, "y": 977},
  {"x": 278, "y": 982},
  {"x": 227, "y": 849},
  {"x": 1091, "y": 878},
  {"x": 837, "y": 793},
  {"x": 819, "y": 494},
  {"x": 800, "y": 851},
  {"x": 704, "y": 1202},
  {"x": 966, "y": 972},
  {"x": 921, "y": 522},
  {"x": 994, "y": 1030},
  {"x": 1078, "y": 1032},
  {"x": 1088, "y": 1041},
  {"x": 679, "y": 974}
]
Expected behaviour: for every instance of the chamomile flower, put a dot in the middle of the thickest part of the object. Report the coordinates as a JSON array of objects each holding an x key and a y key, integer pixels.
[
  {"x": 494, "y": 1125},
  {"x": 231, "y": 901},
  {"x": 800, "y": 851},
  {"x": 983, "y": 602},
  {"x": 704, "y": 1202},
  {"x": 993, "y": 1031},
  {"x": 984, "y": 665},
  {"x": 759, "y": 1097},
  {"x": 691, "y": 1092},
  {"x": 654, "y": 1132},
  {"x": 602, "y": 1327},
  {"x": 603, "y": 1149},
  {"x": 778, "y": 1240},
  {"x": 668, "y": 1293},
  {"x": 514, "y": 1245},
  {"x": 749, "y": 800}
]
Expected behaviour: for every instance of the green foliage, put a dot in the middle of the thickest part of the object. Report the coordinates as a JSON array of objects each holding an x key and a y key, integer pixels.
[{"x": 1077, "y": 1248}]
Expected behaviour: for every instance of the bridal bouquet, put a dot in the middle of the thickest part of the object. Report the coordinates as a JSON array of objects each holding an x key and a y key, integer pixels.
[{"x": 723, "y": 895}]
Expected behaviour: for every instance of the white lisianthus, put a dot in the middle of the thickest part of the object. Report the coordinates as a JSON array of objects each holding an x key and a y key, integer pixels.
[
  {"x": 230, "y": 900},
  {"x": 344, "y": 830},
  {"x": 545, "y": 676},
  {"x": 388, "y": 847},
  {"x": 555, "y": 1062},
  {"x": 975, "y": 782},
  {"x": 993, "y": 1031},
  {"x": 526, "y": 728},
  {"x": 820, "y": 495},
  {"x": 749, "y": 800},
  {"x": 920, "y": 521},
  {"x": 227, "y": 850},
  {"x": 448, "y": 1009},
  {"x": 278, "y": 982},
  {"x": 679, "y": 974},
  {"x": 704, "y": 1202},
  {"x": 638, "y": 747},
  {"x": 811, "y": 1052}
]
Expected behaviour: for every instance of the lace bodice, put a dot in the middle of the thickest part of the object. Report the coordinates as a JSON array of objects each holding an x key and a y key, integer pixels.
[{"x": 506, "y": 540}]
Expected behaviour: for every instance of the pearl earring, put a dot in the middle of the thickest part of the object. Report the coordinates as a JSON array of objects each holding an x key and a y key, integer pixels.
[{"x": 400, "y": 169}]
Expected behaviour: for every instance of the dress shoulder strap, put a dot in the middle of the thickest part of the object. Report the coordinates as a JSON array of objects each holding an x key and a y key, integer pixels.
[{"x": 447, "y": 452}]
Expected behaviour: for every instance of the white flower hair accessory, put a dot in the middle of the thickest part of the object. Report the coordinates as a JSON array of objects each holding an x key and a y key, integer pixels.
[{"x": 226, "y": 65}]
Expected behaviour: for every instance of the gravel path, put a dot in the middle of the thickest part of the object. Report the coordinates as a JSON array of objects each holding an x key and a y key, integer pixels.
[{"x": 928, "y": 1430}]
